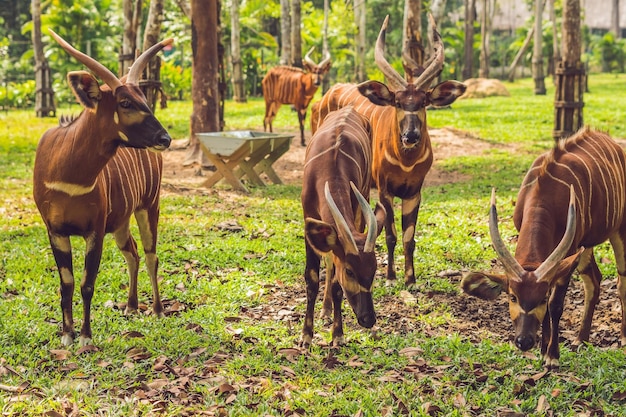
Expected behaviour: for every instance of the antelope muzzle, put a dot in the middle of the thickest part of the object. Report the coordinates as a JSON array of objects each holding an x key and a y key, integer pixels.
[
  {"x": 526, "y": 327},
  {"x": 363, "y": 307}
]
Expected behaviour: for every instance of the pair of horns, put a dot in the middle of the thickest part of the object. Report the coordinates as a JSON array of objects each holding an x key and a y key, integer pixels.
[
  {"x": 342, "y": 225},
  {"x": 433, "y": 66},
  {"x": 103, "y": 72},
  {"x": 308, "y": 60},
  {"x": 513, "y": 268}
]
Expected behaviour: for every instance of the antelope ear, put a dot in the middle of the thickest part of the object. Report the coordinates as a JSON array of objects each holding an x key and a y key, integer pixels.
[
  {"x": 483, "y": 285},
  {"x": 322, "y": 236},
  {"x": 446, "y": 92},
  {"x": 377, "y": 93},
  {"x": 85, "y": 87}
]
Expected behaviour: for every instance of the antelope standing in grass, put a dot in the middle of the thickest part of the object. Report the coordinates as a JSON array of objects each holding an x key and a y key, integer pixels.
[
  {"x": 555, "y": 238},
  {"x": 336, "y": 179},
  {"x": 291, "y": 85},
  {"x": 401, "y": 149},
  {"x": 93, "y": 172}
]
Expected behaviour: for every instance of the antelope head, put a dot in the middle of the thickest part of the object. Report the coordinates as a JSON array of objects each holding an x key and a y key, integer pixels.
[
  {"x": 317, "y": 70},
  {"x": 528, "y": 289},
  {"x": 128, "y": 111},
  {"x": 410, "y": 98}
]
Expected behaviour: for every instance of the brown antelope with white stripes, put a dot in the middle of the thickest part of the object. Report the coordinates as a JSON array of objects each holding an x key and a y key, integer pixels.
[
  {"x": 291, "y": 85},
  {"x": 336, "y": 213},
  {"x": 401, "y": 148},
  {"x": 93, "y": 172},
  {"x": 588, "y": 170}
]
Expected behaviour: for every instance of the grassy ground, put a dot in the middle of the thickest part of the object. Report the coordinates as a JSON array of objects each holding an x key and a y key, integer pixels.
[{"x": 235, "y": 299}]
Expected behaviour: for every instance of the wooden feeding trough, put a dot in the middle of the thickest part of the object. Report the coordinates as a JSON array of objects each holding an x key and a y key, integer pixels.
[{"x": 243, "y": 152}]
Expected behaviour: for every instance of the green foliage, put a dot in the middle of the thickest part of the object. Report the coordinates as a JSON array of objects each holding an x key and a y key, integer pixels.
[
  {"x": 17, "y": 95},
  {"x": 609, "y": 53},
  {"x": 176, "y": 80}
]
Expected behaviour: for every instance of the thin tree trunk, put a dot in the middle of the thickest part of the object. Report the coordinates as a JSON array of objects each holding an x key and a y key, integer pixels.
[
  {"x": 285, "y": 32},
  {"x": 44, "y": 95},
  {"x": 537, "y": 61},
  {"x": 412, "y": 31},
  {"x": 556, "y": 52},
  {"x": 485, "y": 30},
  {"x": 325, "y": 49},
  {"x": 239, "y": 91},
  {"x": 520, "y": 53},
  {"x": 468, "y": 59},
  {"x": 360, "y": 21},
  {"x": 615, "y": 20},
  {"x": 152, "y": 84},
  {"x": 571, "y": 79},
  {"x": 132, "y": 19},
  {"x": 205, "y": 76},
  {"x": 296, "y": 36},
  {"x": 184, "y": 6}
]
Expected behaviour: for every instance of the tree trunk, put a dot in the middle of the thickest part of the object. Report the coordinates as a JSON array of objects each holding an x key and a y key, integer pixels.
[
  {"x": 556, "y": 52},
  {"x": 438, "y": 8},
  {"x": 325, "y": 49},
  {"x": 615, "y": 20},
  {"x": 132, "y": 20},
  {"x": 239, "y": 90},
  {"x": 568, "y": 101},
  {"x": 285, "y": 32},
  {"x": 296, "y": 36},
  {"x": 361, "y": 40},
  {"x": 468, "y": 58},
  {"x": 520, "y": 53},
  {"x": 538, "y": 77},
  {"x": 151, "y": 84},
  {"x": 44, "y": 95},
  {"x": 205, "y": 76},
  {"x": 412, "y": 31},
  {"x": 485, "y": 30},
  {"x": 184, "y": 6}
]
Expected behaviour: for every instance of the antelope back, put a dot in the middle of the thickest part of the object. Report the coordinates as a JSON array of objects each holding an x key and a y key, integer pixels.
[
  {"x": 288, "y": 85},
  {"x": 343, "y": 142},
  {"x": 595, "y": 165}
]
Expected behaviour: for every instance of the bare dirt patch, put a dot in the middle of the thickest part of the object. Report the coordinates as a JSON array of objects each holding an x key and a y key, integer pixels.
[
  {"x": 446, "y": 143},
  {"x": 473, "y": 318}
]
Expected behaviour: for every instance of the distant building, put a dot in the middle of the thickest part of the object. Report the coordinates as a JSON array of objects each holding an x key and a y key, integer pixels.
[{"x": 512, "y": 14}]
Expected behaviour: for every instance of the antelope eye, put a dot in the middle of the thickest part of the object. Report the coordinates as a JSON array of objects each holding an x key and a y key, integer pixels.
[
  {"x": 125, "y": 104},
  {"x": 349, "y": 273},
  {"x": 513, "y": 298}
]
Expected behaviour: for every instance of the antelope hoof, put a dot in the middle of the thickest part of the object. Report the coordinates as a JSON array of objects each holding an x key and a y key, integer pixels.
[
  {"x": 550, "y": 363},
  {"x": 85, "y": 341},
  {"x": 325, "y": 314},
  {"x": 339, "y": 341},
  {"x": 67, "y": 340},
  {"x": 128, "y": 311},
  {"x": 305, "y": 341}
]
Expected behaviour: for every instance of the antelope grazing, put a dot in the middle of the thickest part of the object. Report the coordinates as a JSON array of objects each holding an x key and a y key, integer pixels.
[
  {"x": 91, "y": 173},
  {"x": 291, "y": 85},
  {"x": 589, "y": 170},
  {"x": 401, "y": 149},
  {"x": 337, "y": 161}
]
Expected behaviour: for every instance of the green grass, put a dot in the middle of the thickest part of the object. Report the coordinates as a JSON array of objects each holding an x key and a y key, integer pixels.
[{"x": 237, "y": 298}]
